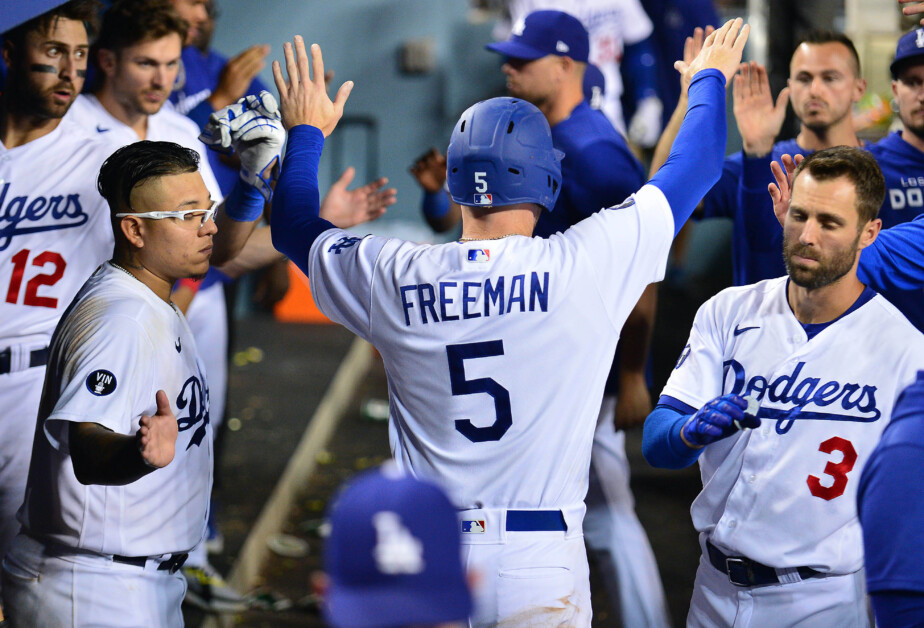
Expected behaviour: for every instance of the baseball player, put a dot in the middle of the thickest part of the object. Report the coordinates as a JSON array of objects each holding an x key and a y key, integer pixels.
[
  {"x": 781, "y": 398},
  {"x": 825, "y": 82},
  {"x": 54, "y": 226},
  {"x": 892, "y": 517},
  {"x": 394, "y": 537},
  {"x": 121, "y": 469},
  {"x": 515, "y": 334},
  {"x": 620, "y": 44}
]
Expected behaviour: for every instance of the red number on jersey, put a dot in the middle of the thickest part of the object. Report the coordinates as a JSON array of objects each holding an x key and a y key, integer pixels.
[
  {"x": 46, "y": 279},
  {"x": 838, "y": 471}
]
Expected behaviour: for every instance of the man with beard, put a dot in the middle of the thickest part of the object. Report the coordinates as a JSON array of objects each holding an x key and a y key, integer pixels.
[
  {"x": 824, "y": 83},
  {"x": 780, "y": 396},
  {"x": 54, "y": 225}
]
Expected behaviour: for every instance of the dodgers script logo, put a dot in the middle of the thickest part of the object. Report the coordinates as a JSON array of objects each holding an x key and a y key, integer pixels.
[
  {"x": 19, "y": 215},
  {"x": 841, "y": 402},
  {"x": 195, "y": 400}
]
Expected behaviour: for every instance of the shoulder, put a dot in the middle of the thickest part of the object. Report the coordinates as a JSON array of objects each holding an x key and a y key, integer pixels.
[
  {"x": 83, "y": 142},
  {"x": 737, "y": 302},
  {"x": 587, "y": 127}
]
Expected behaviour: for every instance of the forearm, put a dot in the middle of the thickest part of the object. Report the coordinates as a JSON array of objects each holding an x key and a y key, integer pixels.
[
  {"x": 697, "y": 156},
  {"x": 100, "y": 456},
  {"x": 663, "y": 149},
  {"x": 236, "y": 219},
  {"x": 257, "y": 252},
  {"x": 895, "y": 260},
  {"x": 295, "y": 220},
  {"x": 635, "y": 339},
  {"x": 662, "y": 444}
]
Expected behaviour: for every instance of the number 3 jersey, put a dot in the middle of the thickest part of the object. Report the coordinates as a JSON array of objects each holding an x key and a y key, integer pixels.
[
  {"x": 784, "y": 494},
  {"x": 497, "y": 351},
  {"x": 115, "y": 347},
  {"x": 54, "y": 229}
]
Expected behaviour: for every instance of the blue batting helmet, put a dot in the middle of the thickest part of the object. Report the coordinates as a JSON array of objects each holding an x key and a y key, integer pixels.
[{"x": 501, "y": 153}]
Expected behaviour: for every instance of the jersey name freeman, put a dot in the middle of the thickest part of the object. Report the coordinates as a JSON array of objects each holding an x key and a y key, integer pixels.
[
  {"x": 452, "y": 300},
  {"x": 808, "y": 391},
  {"x": 21, "y": 209}
]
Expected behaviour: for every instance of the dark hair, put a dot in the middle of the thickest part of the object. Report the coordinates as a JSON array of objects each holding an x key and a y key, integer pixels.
[
  {"x": 86, "y": 11},
  {"x": 129, "y": 22},
  {"x": 132, "y": 165},
  {"x": 857, "y": 165},
  {"x": 821, "y": 36}
]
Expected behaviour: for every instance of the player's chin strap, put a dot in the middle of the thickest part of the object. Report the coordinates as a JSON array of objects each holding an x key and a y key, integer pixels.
[{"x": 253, "y": 127}]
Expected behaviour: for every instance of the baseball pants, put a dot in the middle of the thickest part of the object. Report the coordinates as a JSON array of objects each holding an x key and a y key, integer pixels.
[
  {"x": 527, "y": 578},
  {"x": 817, "y": 602},
  {"x": 43, "y": 588},
  {"x": 614, "y": 534},
  {"x": 21, "y": 392}
]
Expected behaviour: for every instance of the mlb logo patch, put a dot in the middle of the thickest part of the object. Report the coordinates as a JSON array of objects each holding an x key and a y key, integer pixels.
[
  {"x": 473, "y": 527},
  {"x": 479, "y": 255},
  {"x": 484, "y": 199}
]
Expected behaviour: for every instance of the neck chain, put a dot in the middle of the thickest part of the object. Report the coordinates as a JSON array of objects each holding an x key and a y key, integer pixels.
[
  {"x": 509, "y": 235},
  {"x": 170, "y": 303}
]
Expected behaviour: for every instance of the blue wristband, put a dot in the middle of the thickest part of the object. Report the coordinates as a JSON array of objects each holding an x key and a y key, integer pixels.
[
  {"x": 435, "y": 204},
  {"x": 244, "y": 203}
]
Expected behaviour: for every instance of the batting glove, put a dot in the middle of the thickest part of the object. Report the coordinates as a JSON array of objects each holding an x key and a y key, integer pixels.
[
  {"x": 718, "y": 419},
  {"x": 645, "y": 127},
  {"x": 253, "y": 127}
]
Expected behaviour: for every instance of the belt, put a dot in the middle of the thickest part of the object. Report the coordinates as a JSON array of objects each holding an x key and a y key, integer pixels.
[
  {"x": 536, "y": 521},
  {"x": 37, "y": 357},
  {"x": 172, "y": 564},
  {"x": 744, "y": 572}
]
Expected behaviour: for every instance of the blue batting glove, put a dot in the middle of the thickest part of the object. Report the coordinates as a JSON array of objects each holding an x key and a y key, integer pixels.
[{"x": 718, "y": 419}]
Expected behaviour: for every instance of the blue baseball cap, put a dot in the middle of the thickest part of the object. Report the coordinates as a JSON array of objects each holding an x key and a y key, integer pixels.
[
  {"x": 546, "y": 33},
  {"x": 594, "y": 86},
  {"x": 393, "y": 556},
  {"x": 910, "y": 47}
]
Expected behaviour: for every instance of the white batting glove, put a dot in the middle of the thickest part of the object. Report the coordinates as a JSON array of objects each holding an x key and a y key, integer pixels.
[
  {"x": 645, "y": 127},
  {"x": 253, "y": 127}
]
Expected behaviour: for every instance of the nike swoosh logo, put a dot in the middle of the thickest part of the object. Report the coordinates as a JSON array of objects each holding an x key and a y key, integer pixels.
[
  {"x": 741, "y": 330},
  {"x": 100, "y": 129},
  {"x": 178, "y": 345}
]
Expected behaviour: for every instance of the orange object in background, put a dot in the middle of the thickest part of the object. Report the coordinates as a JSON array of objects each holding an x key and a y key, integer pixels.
[{"x": 298, "y": 306}]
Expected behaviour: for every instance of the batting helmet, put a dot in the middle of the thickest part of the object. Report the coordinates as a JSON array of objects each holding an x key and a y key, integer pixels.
[{"x": 501, "y": 153}]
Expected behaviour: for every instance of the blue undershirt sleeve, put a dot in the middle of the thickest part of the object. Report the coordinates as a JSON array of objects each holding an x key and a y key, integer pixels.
[
  {"x": 609, "y": 174},
  {"x": 661, "y": 442},
  {"x": 639, "y": 64},
  {"x": 295, "y": 223},
  {"x": 435, "y": 204},
  {"x": 896, "y": 259},
  {"x": 696, "y": 159}
]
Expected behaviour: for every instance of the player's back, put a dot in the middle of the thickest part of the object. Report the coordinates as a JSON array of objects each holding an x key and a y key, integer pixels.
[{"x": 497, "y": 351}]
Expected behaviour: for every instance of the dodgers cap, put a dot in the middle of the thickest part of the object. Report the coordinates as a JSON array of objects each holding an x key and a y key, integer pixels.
[
  {"x": 394, "y": 554},
  {"x": 910, "y": 48},
  {"x": 546, "y": 33}
]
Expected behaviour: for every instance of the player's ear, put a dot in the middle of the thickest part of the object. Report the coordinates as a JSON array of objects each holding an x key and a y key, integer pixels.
[
  {"x": 7, "y": 52},
  {"x": 107, "y": 61},
  {"x": 133, "y": 230},
  {"x": 869, "y": 233}
]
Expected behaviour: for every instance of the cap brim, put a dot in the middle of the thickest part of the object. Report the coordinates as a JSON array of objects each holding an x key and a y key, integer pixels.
[
  {"x": 396, "y": 606},
  {"x": 900, "y": 64},
  {"x": 516, "y": 50}
]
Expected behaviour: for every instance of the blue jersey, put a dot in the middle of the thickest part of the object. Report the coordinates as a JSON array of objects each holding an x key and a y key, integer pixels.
[
  {"x": 200, "y": 77},
  {"x": 598, "y": 169},
  {"x": 888, "y": 499},
  {"x": 903, "y": 168}
]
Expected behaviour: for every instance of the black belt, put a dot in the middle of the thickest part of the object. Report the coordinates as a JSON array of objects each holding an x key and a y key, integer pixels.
[
  {"x": 172, "y": 564},
  {"x": 744, "y": 572},
  {"x": 38, "y": 357}
]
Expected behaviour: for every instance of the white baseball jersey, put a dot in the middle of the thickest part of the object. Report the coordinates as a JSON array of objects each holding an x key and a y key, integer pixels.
[
  {"x": 115, "y": 348},
  {"x": 785, "y": 494},
  {"x": 167, "y": 125},
  {"x": 611, "y": 25},
  {"x": 54, "y": 229},
  {"x": 497, "y": 351}
]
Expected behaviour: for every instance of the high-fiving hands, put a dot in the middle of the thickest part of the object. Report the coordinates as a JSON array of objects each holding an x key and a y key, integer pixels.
[
  {"x": 721, "y": 51},
  {"x": 303, "y": 99},
  {"x": 781, "y": 190}
]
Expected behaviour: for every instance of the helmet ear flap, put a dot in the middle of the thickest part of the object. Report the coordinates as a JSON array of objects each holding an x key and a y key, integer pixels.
[{"x": 501, "y": 153}]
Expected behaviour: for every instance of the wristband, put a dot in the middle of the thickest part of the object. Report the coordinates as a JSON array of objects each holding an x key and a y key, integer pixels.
[{"x": 244, "y": 203}]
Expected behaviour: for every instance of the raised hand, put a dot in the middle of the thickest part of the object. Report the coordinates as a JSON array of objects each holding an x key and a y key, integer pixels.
[
  {"x": 303, "y": 99},
  {"x": 721, "y": 51},
  {"x": 718, "y": 419},
  {"x": 781, "y": 190},
  {"x": 237, "y": 75},
  {"x": 914, "y": 8},
  {"x": 157, "y": 434},
  {"x": 430, "y": 170},
  {"x": 759, "y": 118},
  {"x": 691, "y": 48},
  {"x": 347, "y": 208}
]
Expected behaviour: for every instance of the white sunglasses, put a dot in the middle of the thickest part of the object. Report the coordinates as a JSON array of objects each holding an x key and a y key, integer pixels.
[{"x": 187, "y": 216}]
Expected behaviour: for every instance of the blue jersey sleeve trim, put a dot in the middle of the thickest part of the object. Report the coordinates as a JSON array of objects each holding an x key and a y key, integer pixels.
[
  {"x": 295, "y": 221},
  {"x": 676, "y": 404},
  {"x": 698, "y": 154},
  {"x": 435, "y": 204},
  {"x": 661, "y": 442}
]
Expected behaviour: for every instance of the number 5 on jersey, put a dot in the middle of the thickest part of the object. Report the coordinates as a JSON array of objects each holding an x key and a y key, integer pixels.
[{"x": 457, "y": 355}]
